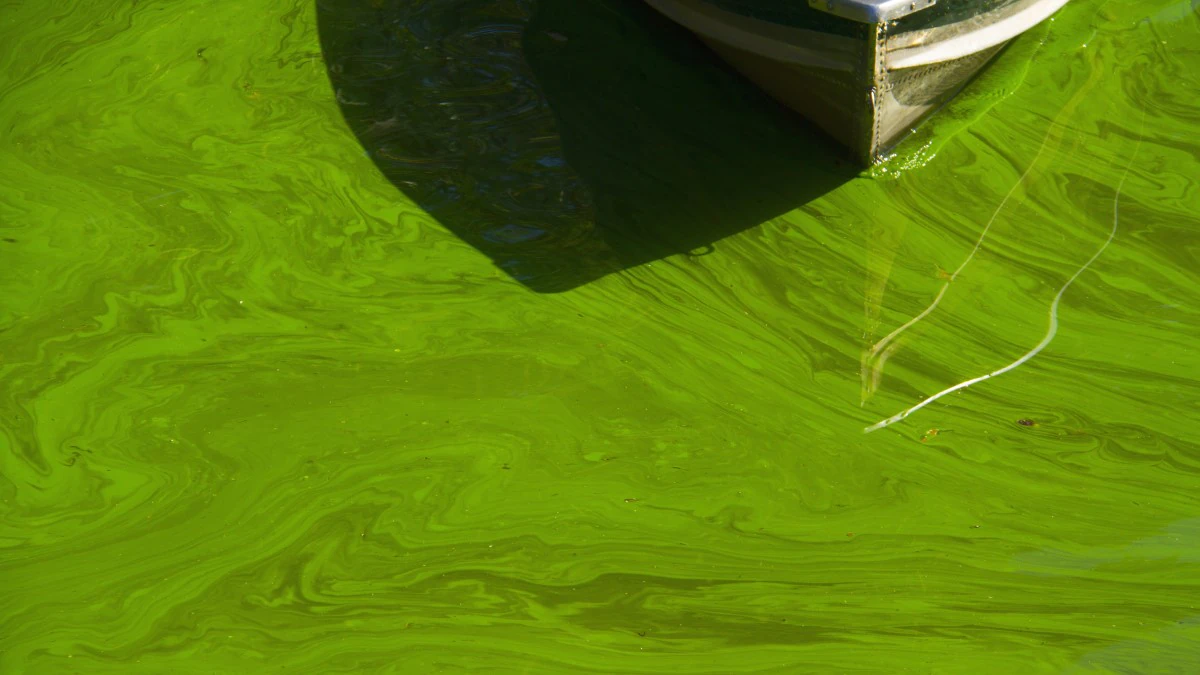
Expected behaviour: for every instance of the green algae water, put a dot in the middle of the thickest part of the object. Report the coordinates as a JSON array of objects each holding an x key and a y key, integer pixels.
[{"x": 524, "y": 337}]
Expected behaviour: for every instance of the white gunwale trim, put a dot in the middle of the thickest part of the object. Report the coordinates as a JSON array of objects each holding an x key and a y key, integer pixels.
[{"x": 974, "y": 41}]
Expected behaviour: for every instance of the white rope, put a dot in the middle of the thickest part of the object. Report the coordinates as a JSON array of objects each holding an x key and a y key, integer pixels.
[
  {"x": 1051, "y": 330},
  {"x": 878, "y": 347}
]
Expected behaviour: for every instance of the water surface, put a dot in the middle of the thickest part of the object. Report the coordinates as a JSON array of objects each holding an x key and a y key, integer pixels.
[{"x": 524, "y": 337}]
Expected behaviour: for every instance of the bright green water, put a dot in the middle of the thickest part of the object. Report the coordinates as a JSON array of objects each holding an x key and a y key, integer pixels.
[{"x": 270, "y": 402}]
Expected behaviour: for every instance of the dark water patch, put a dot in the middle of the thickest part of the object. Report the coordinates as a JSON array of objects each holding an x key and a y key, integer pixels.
[{"x": 567, "y": 139}]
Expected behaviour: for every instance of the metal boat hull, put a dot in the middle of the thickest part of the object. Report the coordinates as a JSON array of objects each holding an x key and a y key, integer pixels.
[{"x": 867, "y": 84}]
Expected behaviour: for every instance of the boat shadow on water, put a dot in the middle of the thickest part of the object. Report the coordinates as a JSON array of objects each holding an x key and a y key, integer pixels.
[{"x": 567, "y": 139}]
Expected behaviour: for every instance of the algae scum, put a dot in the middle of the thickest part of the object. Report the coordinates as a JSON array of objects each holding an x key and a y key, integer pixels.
[{"x": 524, "y": 337}]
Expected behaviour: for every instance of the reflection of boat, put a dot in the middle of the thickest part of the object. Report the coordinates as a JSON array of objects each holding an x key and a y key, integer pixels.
[{"x": 866, "y": 71}]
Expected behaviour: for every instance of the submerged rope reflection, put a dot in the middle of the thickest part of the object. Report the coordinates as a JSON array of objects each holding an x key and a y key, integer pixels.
[
  {"x": 1051, "y": 330},
  {"x": 880, "y": 351}
]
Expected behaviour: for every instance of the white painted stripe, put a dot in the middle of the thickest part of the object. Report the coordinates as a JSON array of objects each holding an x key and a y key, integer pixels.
[
  {"x": 773, "y": 41},
  {"x": 974, "y": 41}
]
